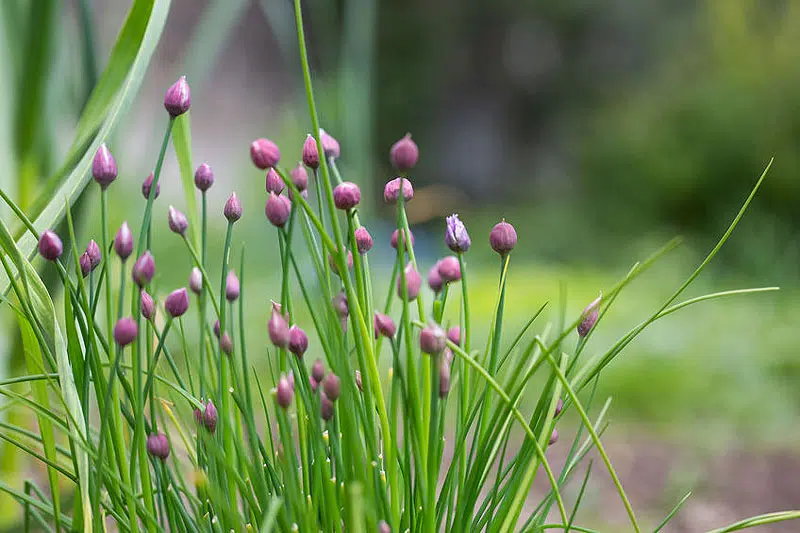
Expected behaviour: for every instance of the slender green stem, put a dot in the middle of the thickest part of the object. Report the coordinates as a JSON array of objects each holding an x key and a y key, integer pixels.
[{"x": 148, "y": 210}]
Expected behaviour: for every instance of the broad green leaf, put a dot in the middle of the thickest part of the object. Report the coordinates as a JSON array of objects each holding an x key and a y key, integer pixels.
[{"x": 182, "y": 141}]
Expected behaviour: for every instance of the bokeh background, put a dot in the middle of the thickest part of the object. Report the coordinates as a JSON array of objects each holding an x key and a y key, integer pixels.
[{"x": 600, "y": 128}]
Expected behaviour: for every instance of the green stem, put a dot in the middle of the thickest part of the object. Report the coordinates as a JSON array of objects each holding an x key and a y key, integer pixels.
[{"x": 148, "y": 211}]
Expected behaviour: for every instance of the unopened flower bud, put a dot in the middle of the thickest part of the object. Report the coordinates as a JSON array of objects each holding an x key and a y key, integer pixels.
[
  {"x": 178, "y": 98},
  {"x": 454, "y": 335},
  {"x": 330, "y": 146},
  {"x": 318, "y": 371},
  {"x": 104, "y": 168},
  {"x": 85, "y": 264},
  {"x": 456, "y": 236},
  {"x": 226, "y": 344},
  {"x": 590, "y": 316},
  {"x": 203, "y": 177},
  {"x": 232, "y": 209},
  {"x": 399, "y": 237},
  {"x": 147, "y": 305},
  {"x": 391, "y": 191},
  {"x": 310, "y": 153},
  {"x": 404, "y": 154},
  {"x": 503, "y": 238},
  {"x": 299, "y": 176},
  {"x": 177, "y": 221},
  {"x": 277, "y": 209},
  {"x": 435, "y": 281},
  {"x": 125, "y": 331},
  {"x": 216, "y": 329},
  {"x": 123, "y": 241},
  {"x": 432, "y": 339},
  {"x": 158, "y": 446},
  {"x": 177, "y": 302},
  {"x": 363, "y": 240},
  {"x": 197, "y": 414},
  {"x": 444, "y": 378},
  {"x": 346, "y": 195},
  {"x": 559, "y": 407},
  {"x": 449, "y": 269},
  {"x": 553, "y": 437},
  {"x": 277, "y": 328},
  {"x": 359, "y": 384},
  {"x": 147, "y": 187},
  {"x": 340, "y": 305},
  {"x": 335, "y": 267},
  {"x": 413, "y": 283},
  {"x": 383, "y": 527},
  {"x": 144, "y": 269},
  {"x": 196, "y": 281},
  {"x": 274, "y": 183},
  {"x": 326, "y": 407},
  {"x": 332, "y": 386},
  {"x": 384, "y": 325},
  {"x": 298, "y": 341},
  {"x": 94, "y": 254},
  {"x": 231, "y": 286},
  {"x": 210, "y": 417},
  {"x": 284, "y": 392},
  {"x": 50, "y": 246},
  {"x": 264, "y": 153}
]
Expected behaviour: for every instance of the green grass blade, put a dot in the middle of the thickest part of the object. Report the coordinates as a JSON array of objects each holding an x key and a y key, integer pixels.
[
  {"x": 760, "y": 520},
  {"x": 182, "y": 142},
  {"x": 672, "y": 513}
]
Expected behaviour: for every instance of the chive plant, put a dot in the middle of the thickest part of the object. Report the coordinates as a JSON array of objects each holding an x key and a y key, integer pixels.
[{"x": 137, "y": 432}]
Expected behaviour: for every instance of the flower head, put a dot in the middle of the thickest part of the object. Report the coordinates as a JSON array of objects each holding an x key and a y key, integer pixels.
[
  {"x": 264, "y": 153},
  {"x": 332, "y": 386},
  {"x": 363, "y": 240},
  {"x": 94, "y": 254},
  {"x": 147, "y": 305},
  {"x": 147, "y": 187},
  {"x": 310, "y": 153},
  {"x": 384, "y": 325},
  {"x": 503, "y": 238},
  {"x": 298, "y": 341},
  {"x": 391, "y": 191},
  {"x": 325, "y": 407},
  {"x": 104, "y": 168},
  {"x": 346, "y": 195},
  {"x": 85, "y": 264},
  {"x": 196, "y": 280},
  {"x": 413, "y": 283},
  {"x": 277, "y": 328},
  {"x": 125, "y": 331},
  {"x": 203, "y": 177},
  {"x": 277, "y": 209},
  {"x": 158, "y": 446},
  {"x": 284, "y": 392},
  {"x": 340, "y": 305},
  {"x": 274, "y": 183},
  {"x": 231, "y": 286},
  {"x": 404, "y": 154},
  {"x": 435, "y": 281},
  {"x": 177, "y": 302},
  {"x": 553, "y": 437},
  {"x": 123, "y": 241},
  {"x": 318, "y": 371},
  {"x": 233, "y": 208},
  {"x": 144, "y": 269},
  {"x": 432, "y": 339},
  {"x": 456, "y": 236},
  {"x": 50, "y": 246},
  {"x": 210, "y": 417},
  {"x": 177, "y": 221},
  {"x": 226, "y": 344},
  {"x": 178, "y": 98},
  {"x": 590, "y": 316},
  {"x": 400, "y": 236},
  {"x": 454, "y": 335},
  {"x": 449, "y": 269},
  {"x": 330, "y": 146},
  {"x": 299, "y": 176}
]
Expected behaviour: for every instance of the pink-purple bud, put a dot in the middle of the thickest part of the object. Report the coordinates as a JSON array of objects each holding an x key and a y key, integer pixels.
[
  {"x": 196, "y": 281},
  {"x": 590, "y": 316},
  {"x": 447, "y": 355},
  {"x": 435, "y": 281},
  {"x": 232, "y": 209},
  {"x": 104, "y": 168},
  {"x": 383, "y": 527},
  {"x": 335, "y": 267},
  {"x": 274, "y": 183},
  {"x": 413, "y": 283},
  {"x": 215, "y": 328},
  {"x": 398, "y": 236},
  {"x": 310, "y": 153},
  {"x": 298, "y": 341},
  {"x": 346, "y": 195},
  {"x": 177, "y": 302},
  {"x": 363, "y": 240},
  {"x": 359, "y": 383},
  {"x": 226, "y": 344},
  {"x": 384, "y": 325},
  {"x": 404, "y": 154},
  {"x": 203, "y": 177},
  {"x": 158, "y": 446},
  {"x": 444, "y": 378},
  {"x": 559, "y": 407},
  {"x": 284, "y": 392},
  {"x": 94, "y": 254},
  {"x": 391, "y": 191},
  {"x": 330, "y": 146},
  {"x": 332, "y": 386},
  {"x": 144, "y": 269},
  {"x": 318, "y": 371},
  {"x": 449, "y": 269},
  {"x": 178, "y": 98},
  {"x": 456, "y": 236},
  {"x": 325, "y": 407},
  {"x": 147, "y": 305},
  {"x": 553, "y": 437},
  {"x": 231, "y": 286},
  {"x": 432, "y": 339},
  {"x": 264, "y": 153},
  {"x": 503, "y": 237},
  {"x": 340, "y": 305},
  {"x": 125, "y": 331},
  {"x": 299, "y": 176},
  {"x": 277, "y": 328},
  {"x": 50, "y": 246},
  {"x": 177, "y": 221},
  {"x": 198, "y": 416},
  {"x": 85, "y": 264},
  {"x": 277, "y": 209},
  {"x": 123, "y": 241},
  {"x": 210, "y": 417},
  {"x": 454, "y": 335},
  {"x": 147, "y": 187}
]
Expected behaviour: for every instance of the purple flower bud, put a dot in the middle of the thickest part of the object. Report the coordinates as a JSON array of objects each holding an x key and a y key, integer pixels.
[
  {"x": 397, "y": 235},
  {"x": 553, "y": 437},
  {"x": 147, "y": 305},
  {"x": 590, "y": 316},
  {"x": 444, "y": 378},
  {"x": 231, "y": 286},
  {"x": 310, "y": 153},
  {"x": 413, "y": 283},
  {"x": 144, "y": 269},
  {"x": 454, "y": 335},
  {"x": 233, "y": 208},
  {"x": 340, "y": 305},
  {"x": 384, "y": 325},
  {"x": 196, "y": 281},
  {"x": 325, "y": 407},
  {"x": 359, "y": 384},
  {"x": 274, "y": 183},
  {"x": 203, "y": 177},
  {"x": 435, "y": 281},
  {"x": 503, "y": 238},
  {"x": 346, "y": 195},
  {"x": 363, "y": 240},
  {"x": 330, "y": 146},
  {"x": 318, "y": 371},
  {"x": 335, "y": 267},
  {"x": 404, "y": 154},
  {"x": 391, "y": 191},
  {"x": 313, "y": 384},
  {"x": 177, "y": 221},
  {"x": 226, "y": 344},
  {"x": 123, "y": 241},
  {"x": 277, "y": 328},
  {"x": 559, "y": 407},
  {"x": 447, "y": 355},
  {"x": 290, "y": 377},
  {"x": 85, "y": 263},
  {"x": 125, "y": 331},
  {"x": 104, "y": 168},
  {"x": 177, "y": 302},
  {"x": 332, "y": 386},
  {"x": 449, "y": 269},
  {"x": 147, "y": 186},
  {"x": 216, "y": 329},
  {"x": 178, "y": 98},
  {"x": 264, "y": 153},
  {"x": 158, "y": 446},
  {"x": 299, "y": 176},
  {"x": 298, "y": 341},
  {"x": 432, "y": 339},
  {"x": 198, "y": 416},
  {"x": 94, "y": 254},
  {"x": 284, "y": 392},
  {"x": 456, "y": 236},
  {"x": 277, "y": 209},
  {"x": 210, "y": 417},
  {"x": 383, "y": 527},
  {"x": 50, "y": 246}
]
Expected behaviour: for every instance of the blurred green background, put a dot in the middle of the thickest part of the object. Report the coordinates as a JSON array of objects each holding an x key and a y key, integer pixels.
[{"x": 600, "y": 129}]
